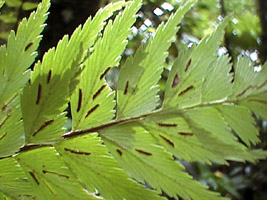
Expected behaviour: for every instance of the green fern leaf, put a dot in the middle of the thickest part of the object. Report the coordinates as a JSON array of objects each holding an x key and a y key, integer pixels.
[
  {"x": 251, "y": 87},
  {"x": 15, "y": 58},
  {"x": 93, "y": 165},
  {"x": 12, "y": 176},
  {"x": 46, "y": 178},
  {"x": 191, "y": 85},
  {"x": 44, "y": 100},
  {"x": 96, "y": 106},
  {"x": 131, "y": 155},
  {"x": 241, "y": 121},
  {"x": 20, "y": 53},
  {"x": 214, "y": 83},
  {"x": 239, "y": 117},
  {"x": 175, "y": 135},
  {"x": 138, "y": 154},
  {"x": 185, "y": 82},
  {"x": 138, "y": 95},
  {"x": 11, "y": 130}
]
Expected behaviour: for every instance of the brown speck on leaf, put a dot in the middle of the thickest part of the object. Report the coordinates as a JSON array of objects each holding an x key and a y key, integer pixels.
[
  {"x": 92, "y": 110},
  {"x": 126, "y": 88},
  {"x": 28, "y": 46},
  {"x": 175, "y": 80},
  {"x": 34, "y": 177},
  {"x": 143, "y": 152},
  {"x": 104, "y": 73},
  {"x": 49, "y": 76},
  {"x": 166, "y": 125},
  {"x": 7, "y": 103},
  {"x": 167, "y": 140},
  {"x": 243, "y": 92},
  {"x": 119, "y": 152},
  {"x": 99, "y": 91},
  {"x": 185, "y": 134},
  {"x": 4, "y": 121},
  {"x": 43, "y": 126},
  {"x": 55, "y": 173},
  {"x": 4, "y": 107},
  {"x": 187, "y": 65},
  {"x": 191, "y": 87},
  {"x": 39, "y": 93},
  {"x": 4, "y": 135},
  {"x": 251, "y": 86},
  {"x": 77, "y": 152},
  {"x": 79, "y": 100}
]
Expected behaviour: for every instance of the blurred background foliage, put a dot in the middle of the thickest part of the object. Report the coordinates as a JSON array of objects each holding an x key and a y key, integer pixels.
[{"x": 246, "y": 35}]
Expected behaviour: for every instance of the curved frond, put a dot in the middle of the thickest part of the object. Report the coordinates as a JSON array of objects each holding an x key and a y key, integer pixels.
[
  {"x": 93, "y": 101},
  {"x": 187, "y": 77},
  {"x": 92, "y": 164},
  {"x": 11, "y": 130},
  {"x": 139, "y": 94},
  {"x": 138, "y": 154},
  {"x": 250, "y": 86},
  {"x": 20, "y": 52},
  {"x": 15, "y": 58},
  {"x": 46, "y": 97},
  {"x": 121, "y": 148}
]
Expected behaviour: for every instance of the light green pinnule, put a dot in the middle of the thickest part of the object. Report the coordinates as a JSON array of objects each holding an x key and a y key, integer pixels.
[
  {"x": 93, "y": 103},
  {"x": 138, "y": 94}
]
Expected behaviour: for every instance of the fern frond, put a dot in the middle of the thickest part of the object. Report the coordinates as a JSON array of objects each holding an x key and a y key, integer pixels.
[
  {"x": 134, "y": 156},
  {"x": 138, "y": 95},
  {"x": 93, "y": 102},
  {"x": 193, "y": 84},
  {"x": 11, "y": 130},
  {"x": 138, "y": 154},
  {"x": 46, "y": 178},
  {"x": 214, "y": 83},
  {"x": 174, "y": 133},
  {"x": 250, "y": 87},
  {"x": 20, "y": 53},
  {"x": 240, "y": 120},
  {"x": 185, "y": 82},
  {"x": 15, "y": 58},
  {"x": 44, "y": 100},
  {"x": 92, "y": 164},
  {"x": 12, "y": 176}
]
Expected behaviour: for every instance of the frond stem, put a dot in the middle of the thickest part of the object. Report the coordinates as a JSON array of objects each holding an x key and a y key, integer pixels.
[{"x": 97, "y": 128}]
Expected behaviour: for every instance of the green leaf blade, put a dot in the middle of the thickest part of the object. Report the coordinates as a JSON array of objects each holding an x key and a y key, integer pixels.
[
  {"x": 11, "y": 129},
  {"x": 13, "y": 181},
  {"x": 240, "y": 120},
  {"x": 250, "y": 86},
  {"x": 93, "y": 165},
  {"x": 137, "y": 153},
  {"x": 175, "y": 135},
  {"x": 137, "y": 96},
  {"x": 185, "y": 82},
  {"x": 49, "y": 176},
  {"x": 107, "y": 53},
  {"x": 20, "y": 52}
]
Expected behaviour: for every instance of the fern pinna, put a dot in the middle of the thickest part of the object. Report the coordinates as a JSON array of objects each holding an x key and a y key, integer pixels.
[{"x": 122, "y": 145}]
